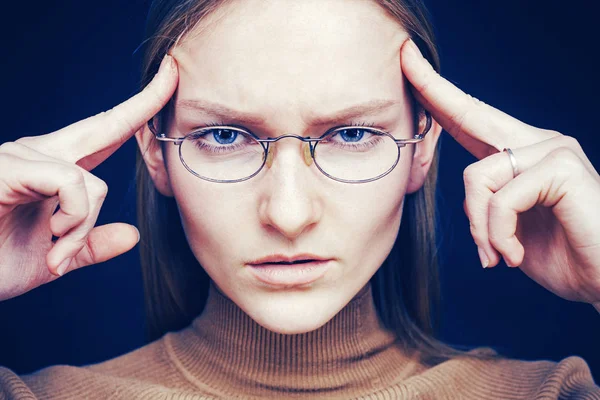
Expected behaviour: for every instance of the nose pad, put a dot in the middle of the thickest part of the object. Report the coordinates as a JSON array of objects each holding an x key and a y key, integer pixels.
[
  {"x": 307, "y": 156},
  {"x": 305, "y": 152},
  {"x": 270, "y": 156}
]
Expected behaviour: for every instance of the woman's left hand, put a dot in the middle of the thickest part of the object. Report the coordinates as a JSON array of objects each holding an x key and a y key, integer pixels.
[{"x": 546, "y": 220}]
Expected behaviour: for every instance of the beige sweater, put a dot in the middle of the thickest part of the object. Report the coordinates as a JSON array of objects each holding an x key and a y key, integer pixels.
[{"x": 225, "y": 354}]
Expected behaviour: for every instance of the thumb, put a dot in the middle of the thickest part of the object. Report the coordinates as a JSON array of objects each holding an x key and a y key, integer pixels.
[{"x": 106, "y": 242}]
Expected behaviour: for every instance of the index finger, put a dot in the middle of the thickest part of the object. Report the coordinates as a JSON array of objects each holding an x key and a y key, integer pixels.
[
  {"x": 104, "y": 133},
  {"x": 478, "y": 127}
]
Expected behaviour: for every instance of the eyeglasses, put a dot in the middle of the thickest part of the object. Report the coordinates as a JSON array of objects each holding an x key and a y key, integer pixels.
[{"x": 349, "y": 154}]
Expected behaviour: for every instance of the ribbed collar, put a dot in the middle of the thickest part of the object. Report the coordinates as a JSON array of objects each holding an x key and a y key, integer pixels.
[{"x": 228, "y": 353}]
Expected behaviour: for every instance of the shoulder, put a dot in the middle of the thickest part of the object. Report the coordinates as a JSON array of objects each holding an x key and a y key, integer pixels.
[
  {"x": 145, "y": 369},
  {"x": 569, "y": 378},
  {"x": 51, "y": 382}
]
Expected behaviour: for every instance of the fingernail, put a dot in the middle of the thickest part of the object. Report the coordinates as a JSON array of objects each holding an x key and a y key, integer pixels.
[
  {"x": 139, "y": 236},
  {"x": 167, "y": 62},
  {"x": 62, "y": 268},
  {"x": 163, "y": 62},
  {"x": 171, "y": 61},
  {"x": 507, "y": 263},
  {"x": 414, "y": 49},
  {"x": 485, "y": 262}
]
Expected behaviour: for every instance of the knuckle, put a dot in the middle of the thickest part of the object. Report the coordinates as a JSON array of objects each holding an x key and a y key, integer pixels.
[
  {"x": 99, "y": 189},
  {"x": 78, "y": 217},
  {"x": 78, "y": 240},
  {"x": 5, "y": 160},
  {"x": 71, "y": 175},
  {"x": 31, "y": 147},
  {"x": 477, "y": 179},
  {"x": 552, "y": 133},
  {"x": 566, "y": 159},
  {"x": 470, "y": 110},
  {"x": 425, "y": 86},
  {"x": 430, "y": 76},
  {"x": 26, "y": 140},
  {"x": 476, "y": 232},
  {"x": 8, "y": 162},
  {"x": 91, "y": 250},
  {"x": 471, "y": 174},
  {"x": 10, "y": 147},
  {"x": 457, "y": 122},
  {"x": 569, "y": 142},
  {"x": 39, "y": 144}
]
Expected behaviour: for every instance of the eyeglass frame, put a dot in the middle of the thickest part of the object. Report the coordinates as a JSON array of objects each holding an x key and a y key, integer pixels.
[{"x": 312, "y": 142}]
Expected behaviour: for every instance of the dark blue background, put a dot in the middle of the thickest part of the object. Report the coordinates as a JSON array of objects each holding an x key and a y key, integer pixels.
[{"x": 533, "y": 59}]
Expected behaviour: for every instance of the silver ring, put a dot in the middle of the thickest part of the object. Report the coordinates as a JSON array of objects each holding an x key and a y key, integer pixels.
[{"x": 513, "y": 161}]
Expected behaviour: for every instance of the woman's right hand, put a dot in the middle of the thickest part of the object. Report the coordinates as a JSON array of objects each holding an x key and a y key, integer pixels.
[{"x": 38, "y": 173}]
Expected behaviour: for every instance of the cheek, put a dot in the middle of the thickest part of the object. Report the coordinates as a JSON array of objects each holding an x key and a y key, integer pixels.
[
  {"x": 375, "y": 205},
  {"x": 374, "y": 223},
  {"x": 381, "y": 212},
  {"x": 213, "y": 218}
]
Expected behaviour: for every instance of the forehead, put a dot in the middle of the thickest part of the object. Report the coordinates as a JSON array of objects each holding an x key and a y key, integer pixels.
[{"x": 272, "y": 53}]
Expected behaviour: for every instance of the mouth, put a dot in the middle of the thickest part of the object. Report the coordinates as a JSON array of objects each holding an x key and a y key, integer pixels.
[
  {"x": 283, "y": 271},
  {"x": 285, "y": 260}
]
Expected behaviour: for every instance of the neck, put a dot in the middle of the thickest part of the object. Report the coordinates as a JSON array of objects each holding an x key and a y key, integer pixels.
[{"x": 352, "y": 349}]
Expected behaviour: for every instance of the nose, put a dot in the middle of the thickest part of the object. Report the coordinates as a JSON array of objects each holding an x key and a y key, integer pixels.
[{"x": 290, "y": 203}]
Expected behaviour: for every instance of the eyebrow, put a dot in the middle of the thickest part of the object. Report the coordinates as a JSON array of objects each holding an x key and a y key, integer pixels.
[{"x": 373, "y": 107}]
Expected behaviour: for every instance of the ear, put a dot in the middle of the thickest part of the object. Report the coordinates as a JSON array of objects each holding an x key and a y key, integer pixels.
[
  {"x": 153, "y": 157},
  {"x": 423, "y": 156}
]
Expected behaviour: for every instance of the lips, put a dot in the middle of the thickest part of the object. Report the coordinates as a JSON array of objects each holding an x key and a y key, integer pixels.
[
  {"x": 278, "y": 259},
  {"x": 289, "y": 271}
]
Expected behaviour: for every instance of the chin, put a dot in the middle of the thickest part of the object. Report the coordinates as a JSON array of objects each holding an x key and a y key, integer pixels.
[{"x": 292, "y": 319}]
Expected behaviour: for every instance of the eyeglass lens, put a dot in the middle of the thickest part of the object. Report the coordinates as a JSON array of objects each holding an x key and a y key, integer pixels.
[{"x": 349, "y": 154}]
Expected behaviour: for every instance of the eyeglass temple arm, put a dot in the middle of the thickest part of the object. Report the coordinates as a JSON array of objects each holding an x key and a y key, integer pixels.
[
  {"x": 162, "y": 138},
  {"x": 404, "y": 142},
  {"x": 419, "y": 137}
]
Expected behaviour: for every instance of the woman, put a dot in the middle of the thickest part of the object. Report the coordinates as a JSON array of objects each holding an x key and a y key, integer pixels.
[{"x": 289, "y": 255}]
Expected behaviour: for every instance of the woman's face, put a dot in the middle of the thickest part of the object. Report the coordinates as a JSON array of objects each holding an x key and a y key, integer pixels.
[{"x": 289, "y": 63}]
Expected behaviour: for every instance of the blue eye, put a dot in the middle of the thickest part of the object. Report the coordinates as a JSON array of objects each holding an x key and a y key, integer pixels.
[
  {"x": 352, "y": 135},
  {"x": 224, "y": 136}
]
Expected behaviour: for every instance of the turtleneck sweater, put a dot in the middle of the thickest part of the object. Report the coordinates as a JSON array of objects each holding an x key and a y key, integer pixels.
[{"x": 224, "y": 354}]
